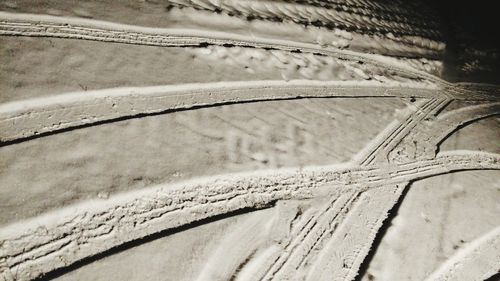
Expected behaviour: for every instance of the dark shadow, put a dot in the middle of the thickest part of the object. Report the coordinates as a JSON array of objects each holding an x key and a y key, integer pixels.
[
  {"x": 495, "y": 277},
  {"x": 467, "y": 28}
]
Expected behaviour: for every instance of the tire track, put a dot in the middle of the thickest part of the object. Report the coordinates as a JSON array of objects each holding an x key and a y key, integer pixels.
[
  {"x": 387, "y": 140},
  {"x": 33, "y": 247},
  {"x": 328, "y": 260},
  {"x": 343, "y": 254},
  {"x": 74, "y": 28},
  {"x": 16, "y": 24},
  {"x": 288, "y": 265},
  {"x": 425, "y": 142},
  {"x": 22, "y": 120},
  {"x": 391, "y": 137},
  {"x": 316, "y": 231},
  {"x": 478, "y": 261}
]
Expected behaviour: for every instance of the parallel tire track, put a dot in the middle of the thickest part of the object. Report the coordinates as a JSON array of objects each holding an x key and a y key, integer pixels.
[
  {"x": 315, "y": 232},
  {"x": 394, "y": 134},
  {"x": 343, "y": 254}
]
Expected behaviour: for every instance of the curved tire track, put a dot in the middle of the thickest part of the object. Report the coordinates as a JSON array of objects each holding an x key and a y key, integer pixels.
[
  {"x": 35, "y": 247},
  {"x": 24, "y": 119},
  {"x": 425, "y": 142},
  {"x": 478, "y": 261},
  {"x": 75, "y": 28}
]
